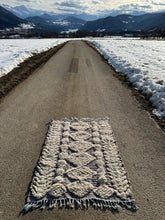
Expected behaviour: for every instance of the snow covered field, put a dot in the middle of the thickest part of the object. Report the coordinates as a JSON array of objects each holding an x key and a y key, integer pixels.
[
  {"x": 143, "y": 61},
  {"x": 13, "y": 52}
]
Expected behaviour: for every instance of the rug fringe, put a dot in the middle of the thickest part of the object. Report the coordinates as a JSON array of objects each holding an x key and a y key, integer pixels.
[{"x": 81, "y": 203}]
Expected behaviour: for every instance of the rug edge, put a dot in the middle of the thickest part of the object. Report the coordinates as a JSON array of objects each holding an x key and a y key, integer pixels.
[{"x": 75, "y": 119}]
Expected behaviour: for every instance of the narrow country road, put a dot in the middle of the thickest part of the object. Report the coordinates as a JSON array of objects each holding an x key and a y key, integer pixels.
[{"x": 76, "y": 82}]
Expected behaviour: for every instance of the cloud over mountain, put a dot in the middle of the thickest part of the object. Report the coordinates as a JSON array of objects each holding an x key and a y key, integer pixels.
[{"x": 99, "y": 7}]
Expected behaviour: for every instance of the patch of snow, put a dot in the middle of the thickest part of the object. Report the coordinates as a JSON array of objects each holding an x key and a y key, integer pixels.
[
  {"x": 13, "y": 52},
  {"x": 14, "y": 36},
  {"x": 143, "y": 63},
  {"x": 27, "y": 26},
  {"x": 101, "y": 30},
  {"x": 128, "y": 35},
  {"x": 69, "y": 31},
  {"x": 62, "y": 23}
]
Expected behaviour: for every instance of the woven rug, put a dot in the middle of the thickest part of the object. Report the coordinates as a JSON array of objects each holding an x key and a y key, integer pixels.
[{"x": 80, "y": 166}]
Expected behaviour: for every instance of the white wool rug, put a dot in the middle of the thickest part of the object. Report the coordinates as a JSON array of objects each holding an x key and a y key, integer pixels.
[{"x": 80, "y": 166}]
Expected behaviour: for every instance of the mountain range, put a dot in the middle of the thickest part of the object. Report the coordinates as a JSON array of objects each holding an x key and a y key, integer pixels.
[
  {"x": 126, "y": 22},
  {"x": 48, "y": 22},
  {"x": 24, "y": 12},
  {"x": 8, "y": 19}
]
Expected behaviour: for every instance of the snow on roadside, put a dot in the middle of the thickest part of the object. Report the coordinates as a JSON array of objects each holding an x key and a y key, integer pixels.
[
  {"x": 143, "y": 61},
  {"x": 13, "y": 52}
]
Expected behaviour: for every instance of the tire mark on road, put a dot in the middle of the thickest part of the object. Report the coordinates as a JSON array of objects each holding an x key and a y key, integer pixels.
[{"x": 74, "y": 65}]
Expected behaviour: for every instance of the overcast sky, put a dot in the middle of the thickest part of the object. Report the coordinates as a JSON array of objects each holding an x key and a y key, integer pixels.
[{"x": 91, "y": 6}]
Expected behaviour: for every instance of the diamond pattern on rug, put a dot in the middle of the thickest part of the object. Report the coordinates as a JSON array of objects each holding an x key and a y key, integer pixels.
[{"x": 80, "y": 166}]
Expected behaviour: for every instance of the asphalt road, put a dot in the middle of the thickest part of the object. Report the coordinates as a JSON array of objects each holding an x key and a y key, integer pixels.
[{"x": 76, "y": 82}]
